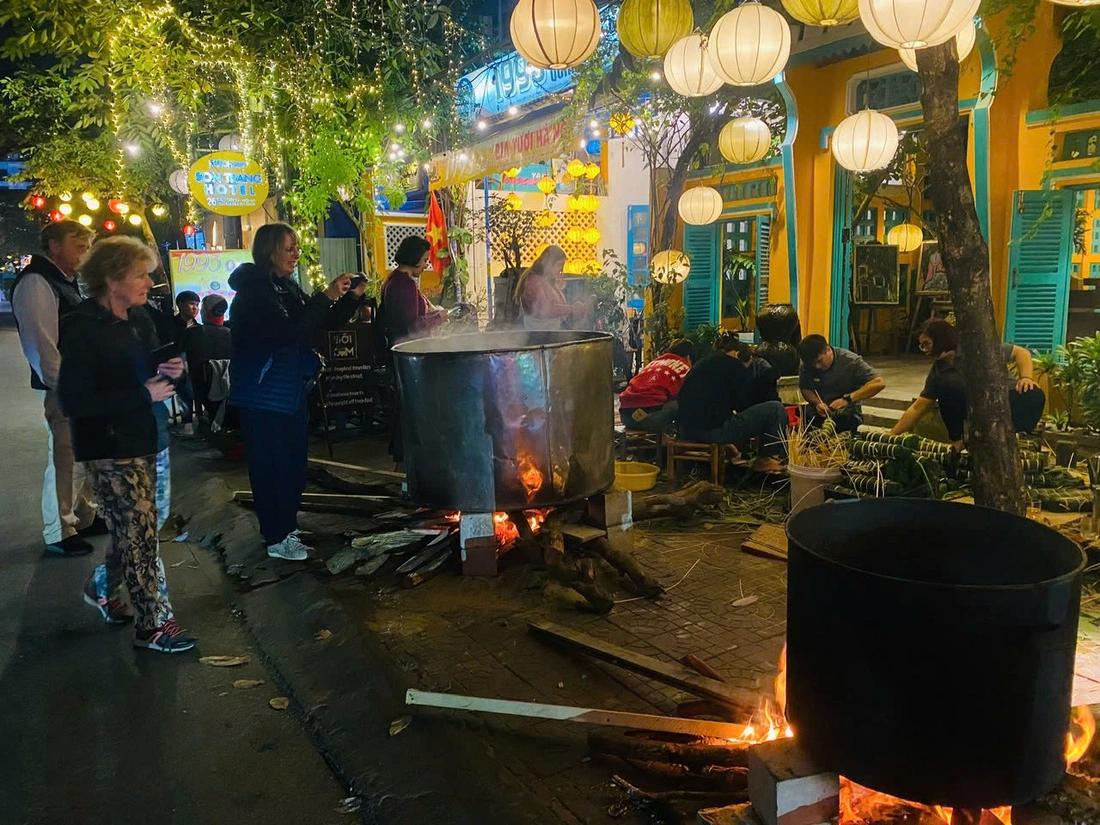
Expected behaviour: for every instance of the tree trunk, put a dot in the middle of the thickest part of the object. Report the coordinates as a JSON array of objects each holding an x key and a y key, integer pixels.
[{"x": 998, "y": 479}]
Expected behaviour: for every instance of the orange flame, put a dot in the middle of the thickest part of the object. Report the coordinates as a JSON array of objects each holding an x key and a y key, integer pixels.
[
  {"x": 860, "y": 805},
  {"x": 505, "y": 530},
  {"x": 535, "y": 518},
  {"x": 1077, "y": 744},
  {"x": 770, "y": 722},
  {"x": 529, "y": 476},
  {"x": 781, "y": 682}
]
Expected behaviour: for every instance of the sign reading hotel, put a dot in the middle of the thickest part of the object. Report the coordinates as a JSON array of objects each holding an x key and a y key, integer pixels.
[
  {"x": 523, "y": 145},
  {"x": 227, "y": 183}
]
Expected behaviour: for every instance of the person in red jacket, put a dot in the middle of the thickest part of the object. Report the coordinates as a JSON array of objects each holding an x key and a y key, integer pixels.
[{"x": 649, "y": 400}]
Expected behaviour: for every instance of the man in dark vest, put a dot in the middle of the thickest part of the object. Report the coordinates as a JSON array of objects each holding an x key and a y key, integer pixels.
[{"x": 43, "y": 292}]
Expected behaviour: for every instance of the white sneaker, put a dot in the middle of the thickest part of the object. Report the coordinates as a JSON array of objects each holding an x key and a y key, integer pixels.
[{"x": 290, "y": 548}]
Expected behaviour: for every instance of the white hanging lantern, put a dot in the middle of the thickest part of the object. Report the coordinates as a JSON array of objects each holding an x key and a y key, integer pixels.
[
  {"x": 865, "y": 141},
  {"x": 700, "y": 206},
  {"x": 230, "y": 143},
  {"x": 1076, "y": 3},
  {"x": 178, "y": 181},
  {"x": 964, "y": 44},
  {"x": 907, "y": 237},
  {"x": 555, "y": 34},
  {"x": 670, "y": 267},
  {"x": 648, "y": 27},
  {"x": 915, "y": 24},
  {"x": 687, "y": 67},
  {"x": 749, "y": 45},
  {"x": 745, "y": 140}
]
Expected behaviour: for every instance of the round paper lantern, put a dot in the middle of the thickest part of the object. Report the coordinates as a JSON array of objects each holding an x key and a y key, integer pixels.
[
  {"x": 178, "y": 181},
  {"x": 38, "y": 202},
  {"x": 592, "y": 236},
  {"x": 964, "y": 44},
  {"x": 65, "y": 209},
  {"x": 513, "y": 202},
  {"x": 511, "y": 173},
  {"x": 555, "y": 34},
  {"x": 745, "y": 140},
  {"x": 545, "y": 219},
  {"x": 915, "y": 24},
  {"x": 92, "y": 204},
  {"x": 823, "y": 13},
  {"x": 622, "y": 122},
  {"x": 159, "y": 210},
  {"x": 56, "y": 216},
  {"x": 575, "y": 168},
  {"x": 591, "y": 171},
  {"x": 135, "y": 220},
  {"x": 1077, "y": 3},
  {"x": 590, "y": 203},
  {"x": 110, "y": 226},
  {"x": 85, "y": 220},
  {"x": 906, "y": 237},
  {"x": 573, "y": 204},
  {"x": 647, "y": 28},
  {"x": 749, "y": 45},
  {"x": 687, "y": 67},
  {"x": 865, "y": 141},
  {"x": 574, "y": 235},
  {"x": 230, "y": 143},
  {"x": 547, "y": 185},
  {"x": 670, "y": 266},
  {"x": 700, "y": 206}
]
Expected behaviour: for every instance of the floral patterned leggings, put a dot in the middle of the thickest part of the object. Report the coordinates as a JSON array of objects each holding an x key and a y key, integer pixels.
[{"x": 126, "y": 494}]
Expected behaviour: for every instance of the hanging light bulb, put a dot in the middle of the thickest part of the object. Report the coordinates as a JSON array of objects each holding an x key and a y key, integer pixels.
[
  {"x": 159, "y": 210},
  {"x": 38, "y": 202},
  {"x": 87, "y": 196},
  {"x": 700, "y": 206},
  {"x": 109, "y": 225},
  {"x": 745, "y": 140},
  {"x": 915, "y": 24},
  {"x": 135, "y": 220},
  {"x": 688, "y": 69},
  {"x": 964, "y": 44},
  {"x": 91, "y": 203},
  {"x": 84, "y": 220},
  {"x": 555, "y": 34},
  {"x": 65, "y": 209},
  {"x": 749, "y": 45},
  {"x": 865, "y": 141},
  {"x": 65, "y": 197}
]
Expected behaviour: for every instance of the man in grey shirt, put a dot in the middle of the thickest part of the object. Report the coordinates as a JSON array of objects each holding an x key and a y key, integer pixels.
[
  {"x": 833, "y": 381},
  {"x": 46, "y": 290}
]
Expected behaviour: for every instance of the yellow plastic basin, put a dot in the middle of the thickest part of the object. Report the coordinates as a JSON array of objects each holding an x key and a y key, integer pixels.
[{"x": 635, "y": 475}]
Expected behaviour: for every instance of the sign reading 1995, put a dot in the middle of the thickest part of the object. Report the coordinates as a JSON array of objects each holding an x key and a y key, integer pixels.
[{"x": 227, "y": 183}]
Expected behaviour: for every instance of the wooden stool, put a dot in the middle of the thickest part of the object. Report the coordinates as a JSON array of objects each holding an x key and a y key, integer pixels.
[
  {"x": 692, "y": 451},
  {"x": 638, "y": 441}
]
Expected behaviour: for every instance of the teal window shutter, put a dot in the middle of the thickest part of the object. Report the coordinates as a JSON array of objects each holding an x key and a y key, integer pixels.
[
  {"x": 763, "y": 258},
  {"x": 1096, "y": 236},
  {"x": 1039, "y": 269},
  {"x": 701, "y": 286}
]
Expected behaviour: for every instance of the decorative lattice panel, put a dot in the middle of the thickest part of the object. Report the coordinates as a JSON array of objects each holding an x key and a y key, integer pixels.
[
  {"x": 557, "y": 234},
  {"x": 395, "y": 234}
]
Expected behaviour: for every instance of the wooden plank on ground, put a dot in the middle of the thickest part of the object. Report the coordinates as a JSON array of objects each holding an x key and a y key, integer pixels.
[
  {"x": 768, "y": 541},
  {"x": 586, "y": 716},
  {"x": 745, "y": 701},
  {"x": 355, "y": 468}
]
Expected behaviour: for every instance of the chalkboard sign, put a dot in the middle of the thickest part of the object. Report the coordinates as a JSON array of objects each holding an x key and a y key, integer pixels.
[
  {"x": 347, "y": 352},
  {"x": 875, "y": 278}
]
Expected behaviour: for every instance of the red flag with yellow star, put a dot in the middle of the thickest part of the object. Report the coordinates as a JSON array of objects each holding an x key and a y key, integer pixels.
[{"x": 436, "y": 232}]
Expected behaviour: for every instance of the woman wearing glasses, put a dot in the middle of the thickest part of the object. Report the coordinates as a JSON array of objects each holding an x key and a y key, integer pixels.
[{"x": 945, "y": 384}]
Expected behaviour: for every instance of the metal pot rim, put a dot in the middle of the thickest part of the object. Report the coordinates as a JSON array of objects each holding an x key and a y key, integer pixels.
[
  {"x": 416, "y": 347},
  {"x": 1065, "y": 578}
]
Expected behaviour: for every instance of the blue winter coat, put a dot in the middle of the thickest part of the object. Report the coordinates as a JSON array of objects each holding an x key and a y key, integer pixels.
[{"x": 274, "y": 323}]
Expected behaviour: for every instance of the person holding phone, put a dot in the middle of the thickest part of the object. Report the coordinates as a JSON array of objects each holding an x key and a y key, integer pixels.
[
  {"x": 109, "y": 386},
  {"x": 271, "y": 372}
]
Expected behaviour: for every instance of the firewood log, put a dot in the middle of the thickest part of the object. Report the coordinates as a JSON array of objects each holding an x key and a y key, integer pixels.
[
  {"x": 680, "y": 504},
  {"x": 644, "y": 585},
  {"x": 710, "y": 778},
  {"x": 697, "y": 755}
]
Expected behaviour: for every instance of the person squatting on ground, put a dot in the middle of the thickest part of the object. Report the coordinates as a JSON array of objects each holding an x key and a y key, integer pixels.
[
  {"x": 109, "y": 388},
  {"x": 272, "y": 372},
  {"x": 43, "y": 293},
  {"x": 720, "y": 404},
  {"x": 833, "y": 380},
  {"x": 649, "y": 401}
]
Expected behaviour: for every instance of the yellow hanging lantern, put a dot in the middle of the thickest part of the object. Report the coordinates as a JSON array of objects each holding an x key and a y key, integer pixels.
[
  {"x": 547, "y": 185},
  {"x": 865, "y": 141},
  {"x": 964, "y": 44},
  {"x": 700, "y": 206},
  {"x": 573, "y": 267},
  {"x": 575, "y": 168},
  {"x": 591, "y": 171},
  {"x": 545, "y": 219},
  {"x": 566, "y": 178},
  {"x": 513, "y": 202},
  {"x": 513, "y": 172},
  {"x": 575, "y": 235},
  {"x": 823, "y": 13},
  {"x": 592, "y": 267},
  {"x": 915, "y": 24},
  {"x": 573, "y": 204},
  {"x": 555, "y": 34},
  {"x": 592, "y": 236},
  {"x": 622, "y": 122},
  {"x": 745, "y": 140},
  {"x": 670, "y": 266},
  {"x": 906, "y": 237},
  {"x": 648, "y": 27},
  {"x": 688, "y": 70},
  {"x": 591, "y": 203},
  {"x": 749, "y": 45}
]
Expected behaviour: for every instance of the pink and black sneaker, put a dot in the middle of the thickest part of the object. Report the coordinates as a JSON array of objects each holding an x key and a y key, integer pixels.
[
  {"x": 113, "y": 610},
  {"x": 168, "y": 638}
]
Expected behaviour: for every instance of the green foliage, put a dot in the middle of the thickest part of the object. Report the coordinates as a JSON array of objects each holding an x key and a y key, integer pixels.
[
  {"x": 609, "y": 290},
  {"x": 703, "y": 337},
  {"x": 1074, "y": 371}
]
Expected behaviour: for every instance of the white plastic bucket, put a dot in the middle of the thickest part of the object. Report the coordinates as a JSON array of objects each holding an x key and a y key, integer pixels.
[{"x": 808, "y": 485}]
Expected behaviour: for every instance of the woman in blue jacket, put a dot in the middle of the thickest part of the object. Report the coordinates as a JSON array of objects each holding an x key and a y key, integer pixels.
[{"x": 272, "y": 371}]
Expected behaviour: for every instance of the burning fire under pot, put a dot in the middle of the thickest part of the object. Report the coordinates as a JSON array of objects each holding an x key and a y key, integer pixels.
[
  {"x": 501, "y": 426},
  {"x": 930, "y": 655}
]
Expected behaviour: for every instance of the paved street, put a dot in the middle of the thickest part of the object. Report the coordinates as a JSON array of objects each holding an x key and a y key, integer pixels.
[{"x": 94, "y": 731}]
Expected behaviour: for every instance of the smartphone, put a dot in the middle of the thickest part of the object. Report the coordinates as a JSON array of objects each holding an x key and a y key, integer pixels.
[
  {"x": 356, "y": 280},
  {"x": 165, "y": 353}
]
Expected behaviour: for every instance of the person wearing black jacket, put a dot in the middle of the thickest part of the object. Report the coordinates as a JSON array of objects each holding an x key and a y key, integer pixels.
[
  {"x": 271, "y": 372},
  {"x": 108, "y": 387}
]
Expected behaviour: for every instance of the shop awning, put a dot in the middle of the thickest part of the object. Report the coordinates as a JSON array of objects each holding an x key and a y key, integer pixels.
[{"x": 533, "y": 142}]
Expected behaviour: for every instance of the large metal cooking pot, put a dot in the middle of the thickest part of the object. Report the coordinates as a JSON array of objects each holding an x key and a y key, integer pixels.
[
  {"x": 506, "y": 420},
  {"x": 930, "y": 648}
]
